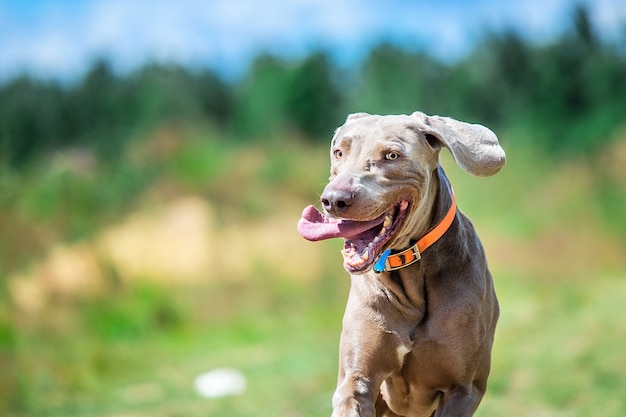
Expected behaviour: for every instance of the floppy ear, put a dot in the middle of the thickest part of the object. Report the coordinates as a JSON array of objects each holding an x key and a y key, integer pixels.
[{"x": 475, "y": 148}]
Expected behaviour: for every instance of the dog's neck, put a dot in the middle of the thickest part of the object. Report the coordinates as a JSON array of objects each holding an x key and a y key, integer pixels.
[
  {"x": 433, "y": 206},
  {"x": 443, "y": 196},
  {"x": 402, "y": 258},
  {"x": 407, "y": 284}
]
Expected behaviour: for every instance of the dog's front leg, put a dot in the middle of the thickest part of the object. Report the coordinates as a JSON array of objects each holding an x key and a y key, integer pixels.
[
  {"x": 367, "y": 355},
  {"x": 460, "y": 401}
]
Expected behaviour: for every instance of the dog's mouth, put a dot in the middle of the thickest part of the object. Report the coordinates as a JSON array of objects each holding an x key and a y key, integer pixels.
[{"x": 364, "y": 241}]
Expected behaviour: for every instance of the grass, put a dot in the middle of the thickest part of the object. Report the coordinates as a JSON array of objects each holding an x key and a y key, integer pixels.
[
  {"x": 135, "y": 348},
  {"x": 115, "y": 362},
  {"x": 557, "y": 348}
]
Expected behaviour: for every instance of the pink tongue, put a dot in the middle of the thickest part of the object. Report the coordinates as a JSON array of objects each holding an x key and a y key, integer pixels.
[{"x": 315, "y": 226}]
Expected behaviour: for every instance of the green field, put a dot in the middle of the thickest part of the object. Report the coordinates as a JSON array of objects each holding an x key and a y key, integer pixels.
[{"x": 129, "y": 337}]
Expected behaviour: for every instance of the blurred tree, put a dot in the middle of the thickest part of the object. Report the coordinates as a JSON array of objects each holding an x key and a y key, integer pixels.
[
  {"x": 30, "y": 118},
  {"x": 312, "y": 100},
  {"x": 260, "y": 98},
  {"x": 578, "y": 89},
  {"x": 214, "y": 96},
  {"x": 169, "y": 92},
  {"x": 101, "y": 110},
  {"x": 585, "y": 31},
  {"x": 498, "y": 76},
  {"x": 396, "y": 81}
]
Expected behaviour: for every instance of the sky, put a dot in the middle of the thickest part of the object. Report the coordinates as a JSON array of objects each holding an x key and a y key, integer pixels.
[{"x": 59, "y": 39}]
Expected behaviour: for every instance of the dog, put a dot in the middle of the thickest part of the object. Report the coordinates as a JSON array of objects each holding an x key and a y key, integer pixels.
[{"x": 420, "y": 318}]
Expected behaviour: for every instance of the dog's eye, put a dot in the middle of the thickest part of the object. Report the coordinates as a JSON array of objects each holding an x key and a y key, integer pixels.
[
  {"x": 337, "y": 153},
  {"x": 392, "y": 156}
]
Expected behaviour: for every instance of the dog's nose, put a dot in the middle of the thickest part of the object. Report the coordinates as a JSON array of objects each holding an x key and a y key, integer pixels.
[{"x": 337, "y": 201}]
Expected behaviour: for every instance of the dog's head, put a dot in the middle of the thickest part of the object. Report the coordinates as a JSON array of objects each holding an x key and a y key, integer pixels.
[{"x": 381, "y": 171}]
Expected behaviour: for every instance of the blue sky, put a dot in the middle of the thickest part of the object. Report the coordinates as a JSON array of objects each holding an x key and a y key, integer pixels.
[{"x": 59, "y": 39}]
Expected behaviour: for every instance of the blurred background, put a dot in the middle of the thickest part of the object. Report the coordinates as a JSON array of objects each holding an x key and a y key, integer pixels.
[{"x": 155, "y": 158}]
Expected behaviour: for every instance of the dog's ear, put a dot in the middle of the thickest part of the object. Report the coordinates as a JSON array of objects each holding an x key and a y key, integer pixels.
[{"x": 475, "y": 148}]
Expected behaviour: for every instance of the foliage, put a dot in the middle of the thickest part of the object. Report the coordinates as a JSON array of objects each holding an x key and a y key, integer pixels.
[
  {"x": 103, "y": 110},
  {"x": 566, "y": 96},
  {"x": 313, "y": 100},
  {"x": 276, "y": 95}
]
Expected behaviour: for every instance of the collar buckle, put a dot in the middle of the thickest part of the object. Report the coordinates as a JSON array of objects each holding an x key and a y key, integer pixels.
[{"x": 402, "y": 259}]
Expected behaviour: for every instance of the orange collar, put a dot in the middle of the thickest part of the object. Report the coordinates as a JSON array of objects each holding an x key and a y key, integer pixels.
[{"x": 389, "y": 262}]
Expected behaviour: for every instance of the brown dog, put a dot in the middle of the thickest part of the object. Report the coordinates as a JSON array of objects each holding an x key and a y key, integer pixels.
[{"x": 418, "y": 327}]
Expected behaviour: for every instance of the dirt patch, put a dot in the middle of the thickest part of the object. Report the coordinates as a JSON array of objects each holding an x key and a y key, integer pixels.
[
  {"x": 168, "y": 244},
  {"x": 180, "y": 243}
]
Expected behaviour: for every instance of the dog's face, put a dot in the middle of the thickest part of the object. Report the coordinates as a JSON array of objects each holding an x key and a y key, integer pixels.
[
  {"x": 380, "y": 195},
  {"x": 381, "y": 167}
]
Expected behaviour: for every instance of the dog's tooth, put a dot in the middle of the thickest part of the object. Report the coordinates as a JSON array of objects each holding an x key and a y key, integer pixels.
[
  {"x": 387, "y": 221},
  {"x": 365, "y": 256},
  {"x": 357, "y": 262},
  {"x": 382, "y": 231}
]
